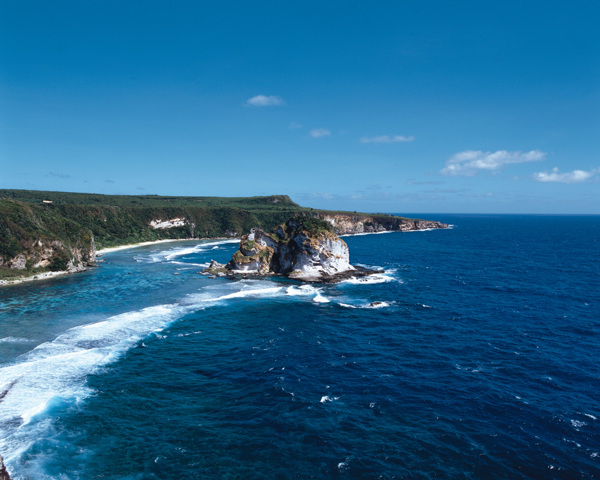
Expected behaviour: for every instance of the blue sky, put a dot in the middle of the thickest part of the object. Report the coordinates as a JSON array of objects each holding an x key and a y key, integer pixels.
[{"x": 429, "y": 106}]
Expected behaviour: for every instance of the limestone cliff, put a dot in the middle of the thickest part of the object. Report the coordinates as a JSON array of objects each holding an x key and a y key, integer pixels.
[
  {"x": 351, "y": 224},
  {"x": 305, "y": 248},
  {"x": 34, "y": 239}
]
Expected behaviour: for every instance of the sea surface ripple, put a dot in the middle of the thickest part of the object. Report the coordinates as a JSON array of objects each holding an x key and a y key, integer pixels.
[{"x": 474, "y": 356}]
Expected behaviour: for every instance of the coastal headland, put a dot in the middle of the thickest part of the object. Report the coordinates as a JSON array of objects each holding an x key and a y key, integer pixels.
[
  {"x": 43, "y": 234},
  {"x": 304, "y": 248}
]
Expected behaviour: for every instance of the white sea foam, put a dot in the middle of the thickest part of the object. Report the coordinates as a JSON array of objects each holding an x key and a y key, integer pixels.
[
  {"x": 172, "y": 253},
  {"x": 372, "y": 305},
  {"x": 347, "y": 305},
  {"x": 15, "y": 340},
  {"x": 307, "y": 290},
  {"x": 320, "y": 299},
  {"x": 189, "y": 264},
  {"x": 327, "y": 398},
  {"x": 371, "y": 279},
  {"x": 377, "y": 305},
  {"x": 56, "y": 371},
  {"x": 577, "y": 424},
  {"x": 302, "y": 290},
  {"x": 258, "y": 292}
]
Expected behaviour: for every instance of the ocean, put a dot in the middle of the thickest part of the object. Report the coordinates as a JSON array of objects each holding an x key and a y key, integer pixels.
[{"x": 476, "y": 355}]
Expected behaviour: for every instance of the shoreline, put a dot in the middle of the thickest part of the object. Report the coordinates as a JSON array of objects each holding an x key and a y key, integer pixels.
[
  {"x": 104, "y": 251},
  {"x": 449, "y": 227},
  {"x": 48, "y": 275}
]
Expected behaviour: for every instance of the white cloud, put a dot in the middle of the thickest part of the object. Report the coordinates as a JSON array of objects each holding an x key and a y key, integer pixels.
[
  {"x": 264, "y": 101},
  {"x": 471, "y": 162},
  {"x": 294, "y": 126},
  {"x": 576, "y": 176},
  {"x": 319, "y": 132},
  {"x": 387, "y": 139}
]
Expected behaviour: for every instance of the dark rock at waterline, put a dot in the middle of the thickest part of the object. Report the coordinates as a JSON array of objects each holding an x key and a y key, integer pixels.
[
  {"x": 358, "y": 272},
  {"x": 3, "y": 472}
]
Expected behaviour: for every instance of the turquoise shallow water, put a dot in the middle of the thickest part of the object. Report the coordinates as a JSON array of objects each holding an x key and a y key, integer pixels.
[{"x": 481, "y": 361}]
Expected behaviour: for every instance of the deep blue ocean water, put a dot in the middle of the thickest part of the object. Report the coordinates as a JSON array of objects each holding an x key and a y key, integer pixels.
[{"x": 481, "y": 360}]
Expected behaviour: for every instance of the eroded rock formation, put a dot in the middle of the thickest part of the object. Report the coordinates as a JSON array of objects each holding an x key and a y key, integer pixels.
[{"x": 304, "y": 248}]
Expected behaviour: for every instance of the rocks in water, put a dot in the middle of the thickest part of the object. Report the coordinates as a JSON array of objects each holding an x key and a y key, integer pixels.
[
  {"x": 378, "y": 304},
  {"x": 3, "y": 472},
  {"x": 216, "y": 269},
  {"x": 304, "y": 248}
]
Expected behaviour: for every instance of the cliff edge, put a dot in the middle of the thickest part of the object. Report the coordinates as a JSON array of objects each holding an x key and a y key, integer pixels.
[{"x": 357, "y": 223}]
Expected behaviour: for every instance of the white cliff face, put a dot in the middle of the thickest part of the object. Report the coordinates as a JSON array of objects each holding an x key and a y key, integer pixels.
[
  {"x": 345, "y": 224},
  {"x": 325, "y": 256},
  {"x": 348, "y": 224},
  {"x": 172, "y": 223},
  {"x": 291, "y": 251}
]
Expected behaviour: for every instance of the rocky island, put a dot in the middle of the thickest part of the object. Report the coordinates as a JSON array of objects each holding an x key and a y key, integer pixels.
[{"x": 304, "y": 248}]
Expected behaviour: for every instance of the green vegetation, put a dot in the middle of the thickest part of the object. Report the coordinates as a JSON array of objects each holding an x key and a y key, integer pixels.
[
  {"x": 34, "y": 238},
  {"x": 313, "y": 226},
  {"x": 42, "y": 231},
  {"x": 34, "y": 223},
  {"x": 240, "y": 258},
  {"x": 272, "y": 202},
  {"x": 249, "y": 245}
]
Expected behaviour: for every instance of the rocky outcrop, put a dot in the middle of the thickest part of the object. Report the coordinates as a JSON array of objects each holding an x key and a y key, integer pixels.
[
  {"x": 304, "y": 248},
  {"x": 352, "y": 224},
  {"x": 3, "y": 472},
  {"x": 54, "y": 255}
]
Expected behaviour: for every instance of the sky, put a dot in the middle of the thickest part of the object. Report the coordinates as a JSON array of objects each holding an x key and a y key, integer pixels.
[{"x": 392, "y": 106}]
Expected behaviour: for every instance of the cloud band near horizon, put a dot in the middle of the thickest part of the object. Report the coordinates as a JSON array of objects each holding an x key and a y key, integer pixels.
[
  {"x": 471, "y": 162},
  {"x": 575, "y": 176}
]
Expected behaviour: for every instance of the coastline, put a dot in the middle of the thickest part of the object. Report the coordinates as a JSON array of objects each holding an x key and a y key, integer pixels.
[
  {"x": 47, "y": 275},
  {"x": 104, "y": 251},
  {"x": 449, "y": 227}
]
